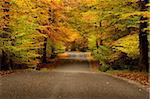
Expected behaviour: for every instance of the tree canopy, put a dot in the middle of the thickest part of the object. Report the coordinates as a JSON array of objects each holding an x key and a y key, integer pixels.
[{"x": 34, "y": 29}]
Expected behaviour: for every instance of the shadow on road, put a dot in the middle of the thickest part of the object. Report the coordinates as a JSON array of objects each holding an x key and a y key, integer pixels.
[
  {"x": 70, "y": 65},
  {"x": 73, "y": 62}
]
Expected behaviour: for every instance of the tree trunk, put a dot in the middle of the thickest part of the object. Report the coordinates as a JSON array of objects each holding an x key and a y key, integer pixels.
[
  {"x": 53, "y": 54},
  {"x": 143, "y": 42},
  {"x": 10, "y": 64},
  {"x": 4, "y": 62},
  {"x": 44, "y": 50},
  {"x": 149, "y": 50}
]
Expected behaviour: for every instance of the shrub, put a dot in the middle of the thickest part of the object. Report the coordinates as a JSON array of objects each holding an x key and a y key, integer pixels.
[{"x": 104, "y": 68}]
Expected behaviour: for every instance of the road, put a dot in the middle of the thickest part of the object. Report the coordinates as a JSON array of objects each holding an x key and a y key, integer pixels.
[
  {"x": 66, "y": 83},
  {"x": 75, "y": 55}
]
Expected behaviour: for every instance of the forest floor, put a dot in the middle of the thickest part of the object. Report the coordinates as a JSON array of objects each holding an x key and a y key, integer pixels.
[{"x": 139, "y": 77}]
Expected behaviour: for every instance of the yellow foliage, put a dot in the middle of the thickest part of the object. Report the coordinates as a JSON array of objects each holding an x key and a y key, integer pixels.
[
  {"x": 129, "y": 45},
  {"x": 148, "y": 4},
  {"x": 147, "y": 29},
  {"x": 71, "y": 34},
  {"x": 90, "y": 16},
  {"x": 137, "y": 13},
  {"x": 146, "y": 14}
]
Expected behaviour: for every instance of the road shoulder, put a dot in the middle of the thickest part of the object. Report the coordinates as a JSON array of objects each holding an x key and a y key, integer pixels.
[{"x": 139, "y": 85}]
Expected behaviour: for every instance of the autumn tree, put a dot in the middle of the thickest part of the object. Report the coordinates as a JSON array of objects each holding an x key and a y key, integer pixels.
[{"x": 28, "y": 27}]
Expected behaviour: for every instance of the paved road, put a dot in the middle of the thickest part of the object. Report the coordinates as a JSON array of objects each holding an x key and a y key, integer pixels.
[
  {"x": 79, "y": 64},
  {"x": 79, "y": 83},
  {"x": 74, "y": 66},
  {"x": 75, "y": 55},
  {"x": 66, "y": 85}
]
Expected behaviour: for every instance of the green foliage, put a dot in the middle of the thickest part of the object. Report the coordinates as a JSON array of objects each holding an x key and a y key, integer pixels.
[
  {"x": 104, "y": 68},
  {"x": 128, "y": 44},
  {"x": 59, "y": 48},
  {"x": 23, "y": 44},
  {"x": 48, "y": 48},
  {"x": 101, "y": 53},
  {"x": 92, "y": 42}
]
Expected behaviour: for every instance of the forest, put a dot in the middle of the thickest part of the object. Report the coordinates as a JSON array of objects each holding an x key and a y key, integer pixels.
[{"x": 114, "y": 31}]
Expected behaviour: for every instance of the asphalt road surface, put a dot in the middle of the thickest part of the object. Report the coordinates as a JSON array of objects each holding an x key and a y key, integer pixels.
[{"x": 66, "y": 83}]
